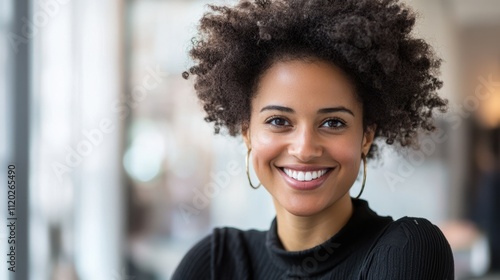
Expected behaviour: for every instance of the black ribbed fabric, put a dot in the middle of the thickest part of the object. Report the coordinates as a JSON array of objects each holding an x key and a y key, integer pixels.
[{"x": 367, "y": 247}]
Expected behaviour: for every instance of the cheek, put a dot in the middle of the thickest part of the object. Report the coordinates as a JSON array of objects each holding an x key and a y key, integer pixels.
[
  {"x": 347, "y": 152},
  {"x": 264, "y": 149},
  {"x": 261, "y": 138}
]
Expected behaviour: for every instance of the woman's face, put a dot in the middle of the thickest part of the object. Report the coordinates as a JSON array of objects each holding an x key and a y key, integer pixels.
[{"x": 306, "y": 135}]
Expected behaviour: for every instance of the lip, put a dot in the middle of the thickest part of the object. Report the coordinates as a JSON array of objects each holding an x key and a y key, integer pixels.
[
  {"x": 305, "y": 185},
  {"x": 305, "y": 167}
]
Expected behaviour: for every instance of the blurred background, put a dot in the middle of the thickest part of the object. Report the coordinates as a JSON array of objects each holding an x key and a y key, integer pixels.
[{"x": 117, "y": 174}]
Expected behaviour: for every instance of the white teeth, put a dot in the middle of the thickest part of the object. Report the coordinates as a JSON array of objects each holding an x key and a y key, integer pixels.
[{"x": 304, "y": 176}]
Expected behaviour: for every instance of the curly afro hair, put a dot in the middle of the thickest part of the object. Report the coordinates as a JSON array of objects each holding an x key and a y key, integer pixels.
[{"x": 394, "y": 73}]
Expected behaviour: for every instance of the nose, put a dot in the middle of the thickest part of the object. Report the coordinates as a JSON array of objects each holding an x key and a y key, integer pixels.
[{"x": 305, "y": 145}]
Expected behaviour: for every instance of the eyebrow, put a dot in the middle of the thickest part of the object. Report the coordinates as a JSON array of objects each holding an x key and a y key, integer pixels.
[{"x": 284, "y": 109}]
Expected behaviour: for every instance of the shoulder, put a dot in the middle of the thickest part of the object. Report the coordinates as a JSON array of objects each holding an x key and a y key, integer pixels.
[
  {"x": 221, "y": 247},
  {"x": 196, "y": 263},
  {"x": 228, "y": 236},
  {"x": 411, "y": 231},
  {"x": 411, "y": 248}
]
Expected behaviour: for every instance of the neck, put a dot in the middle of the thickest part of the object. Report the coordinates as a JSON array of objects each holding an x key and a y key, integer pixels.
[{"x": 299, "y": 233}]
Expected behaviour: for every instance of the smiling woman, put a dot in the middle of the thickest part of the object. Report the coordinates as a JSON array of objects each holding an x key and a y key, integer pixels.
[
  {"x": 310, "y": 85},
  {"x": 303, "y": 121}
]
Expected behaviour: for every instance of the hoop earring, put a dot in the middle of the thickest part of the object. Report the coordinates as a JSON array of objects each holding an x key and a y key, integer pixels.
[
  {"x": 363, "y": 157},
  {"x": 248, "y": 172}
]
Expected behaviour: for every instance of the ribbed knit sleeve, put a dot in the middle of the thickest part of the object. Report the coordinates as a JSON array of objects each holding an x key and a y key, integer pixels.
[
  {"x": 196, "y": 263},
  {"x": 411, "y": 249}
]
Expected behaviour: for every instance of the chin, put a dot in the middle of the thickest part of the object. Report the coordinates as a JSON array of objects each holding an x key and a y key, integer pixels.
[
  {"x": 302, "y": 212},
  {"x": 302, "y": 208},
  {"x": 306, "y": 206}
]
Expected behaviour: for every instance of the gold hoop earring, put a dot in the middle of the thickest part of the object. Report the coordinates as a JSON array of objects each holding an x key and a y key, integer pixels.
[
  {"x": 248, "y": 172},
  {"x": 363, "y": 157}
]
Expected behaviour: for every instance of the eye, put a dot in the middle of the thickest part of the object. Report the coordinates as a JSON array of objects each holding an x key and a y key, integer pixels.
[
  {"x": 333, "y": 123},
  {"x": 277, "y": 121}
]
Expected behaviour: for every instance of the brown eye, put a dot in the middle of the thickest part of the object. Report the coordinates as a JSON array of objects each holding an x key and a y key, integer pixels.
[
  {"x": 333, "y": 123},
  {"x": 276, "y": 121}
]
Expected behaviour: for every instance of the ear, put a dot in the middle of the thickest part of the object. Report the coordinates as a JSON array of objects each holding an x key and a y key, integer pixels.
[
  {"x": 245, "y": 132},
  {"x": 368, "y": 137}
]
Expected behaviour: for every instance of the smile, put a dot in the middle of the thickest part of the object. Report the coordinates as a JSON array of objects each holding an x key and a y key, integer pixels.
[{"x": 305, "y": 176}]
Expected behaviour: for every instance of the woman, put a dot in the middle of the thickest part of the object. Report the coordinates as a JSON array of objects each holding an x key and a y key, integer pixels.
[{"x": 310, "y": 85}]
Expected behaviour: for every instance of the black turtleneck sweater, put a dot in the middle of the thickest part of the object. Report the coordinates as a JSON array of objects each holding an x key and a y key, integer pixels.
[{"x": 367, "y": 247}]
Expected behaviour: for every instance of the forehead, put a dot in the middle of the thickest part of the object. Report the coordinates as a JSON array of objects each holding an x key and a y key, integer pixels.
[{"x": 299, "y": 83}]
